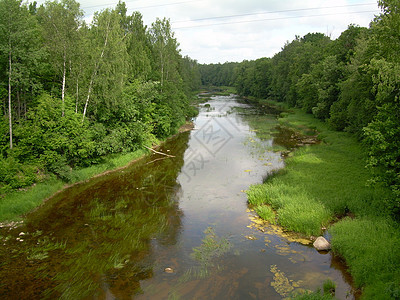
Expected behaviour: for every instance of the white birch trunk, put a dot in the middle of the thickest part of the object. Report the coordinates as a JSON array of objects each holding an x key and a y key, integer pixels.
[
  {"x": 96, "y": 67},
  {"x": 63, "y": 84},
  {"x": 9, "y": 100},
  {"x": 77, "y": 94}
]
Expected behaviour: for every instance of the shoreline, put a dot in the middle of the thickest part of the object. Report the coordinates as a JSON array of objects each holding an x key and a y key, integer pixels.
[
  {"x": 324, "y": 187},
  {"x": 19, "y": 217}
]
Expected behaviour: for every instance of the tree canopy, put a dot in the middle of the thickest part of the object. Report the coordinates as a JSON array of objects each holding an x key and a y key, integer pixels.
[
  {"x": 352, "y": 83},
  {"x": 73, "y": 92}
]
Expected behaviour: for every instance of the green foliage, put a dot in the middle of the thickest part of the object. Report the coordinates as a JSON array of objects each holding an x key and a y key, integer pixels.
[
  {"x": 314, "y": 190},
  {"x": 53, "y": 142},
  {"x": 83, "y": 91},
  {"x": 218, "y": 74},
  {"x": 382, "y": 135},
  {"x": 14, "y": 175},
  {"x": 252, "y": 78},
  {"x": 352, "y": 83}
]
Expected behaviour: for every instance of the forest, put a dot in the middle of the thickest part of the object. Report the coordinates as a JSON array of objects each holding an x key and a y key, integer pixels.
[
  {"x": 352, "y": 83},
  {"x": 72, "y": 93}
]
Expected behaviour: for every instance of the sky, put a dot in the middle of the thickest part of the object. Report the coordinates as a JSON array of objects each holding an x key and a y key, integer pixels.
[{"x": 218, "y": 31}]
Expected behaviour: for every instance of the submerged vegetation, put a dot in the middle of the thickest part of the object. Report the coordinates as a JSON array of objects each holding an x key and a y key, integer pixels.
[
  {"x": 95, "y": 234},
  {"x": 72, "y": 93},
  {"x": 345, "y": 93},
  {"x": 324, "y": 186}
]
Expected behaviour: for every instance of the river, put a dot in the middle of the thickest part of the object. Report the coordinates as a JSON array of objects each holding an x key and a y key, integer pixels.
[{"x": 169, "y": 227}]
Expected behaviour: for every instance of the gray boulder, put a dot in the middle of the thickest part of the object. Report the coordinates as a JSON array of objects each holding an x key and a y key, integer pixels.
[{"x": 321, "y": 244}]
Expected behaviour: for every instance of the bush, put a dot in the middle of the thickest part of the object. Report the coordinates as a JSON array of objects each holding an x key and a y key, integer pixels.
[{"x": 14, "y": 175}]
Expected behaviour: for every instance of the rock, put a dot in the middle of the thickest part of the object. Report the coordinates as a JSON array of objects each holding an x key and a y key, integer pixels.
[
  {"x": 169, "y": 270},
  {"x": 321, "y": 244}
]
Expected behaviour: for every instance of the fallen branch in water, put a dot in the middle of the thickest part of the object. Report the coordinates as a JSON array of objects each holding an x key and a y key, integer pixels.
[
  {"x": 161, "y": 158},
  {"x": 158, "y": 152}
]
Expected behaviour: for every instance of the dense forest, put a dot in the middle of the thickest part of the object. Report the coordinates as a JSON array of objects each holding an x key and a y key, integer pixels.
[
  {"x": 72, "y": 93},
  {"x": 352, "y": 83}
]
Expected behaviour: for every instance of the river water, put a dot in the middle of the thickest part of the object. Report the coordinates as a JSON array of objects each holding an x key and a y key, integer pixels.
[{"x": 169, "y": 227}]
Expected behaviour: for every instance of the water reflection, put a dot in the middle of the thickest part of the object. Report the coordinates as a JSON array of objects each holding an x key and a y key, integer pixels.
[
  {"x": 96, "y": 238},
  {"x": 168, "y": 227}
]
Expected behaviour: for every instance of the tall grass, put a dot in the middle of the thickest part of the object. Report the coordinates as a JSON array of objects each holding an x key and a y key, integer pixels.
[
  {"x": 370, "y": 246},
  {"x": 321, "y": 185},
  {"x": 14, "y": 205}
]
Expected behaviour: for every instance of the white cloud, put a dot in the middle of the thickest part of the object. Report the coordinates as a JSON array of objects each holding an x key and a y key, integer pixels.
[{"x": 246, "y": 37}]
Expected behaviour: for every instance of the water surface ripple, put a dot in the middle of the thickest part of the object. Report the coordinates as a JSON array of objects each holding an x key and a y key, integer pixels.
[{"x": 167, "y": 227}]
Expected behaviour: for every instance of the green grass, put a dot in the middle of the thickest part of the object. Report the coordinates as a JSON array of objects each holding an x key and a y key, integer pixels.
[
  {"x": 14, "y": 205},
  {"x": 329, "y": 287},
  {"x": 324, "y": 183},
  {"x": 112, "y": 162},
  {"x": 370, "y": 246},
  {"x": 266, "y": 212}
]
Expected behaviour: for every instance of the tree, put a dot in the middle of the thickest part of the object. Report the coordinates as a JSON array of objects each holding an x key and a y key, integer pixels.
[
  {"x": 19, "y": 37},
  {"x": 60, "y": 21},
  {"x": 107, "y": 65},
  {"x": 190, "y": 74},
  {"x": 166, "y": 52},
  {"x": 137, "y": 42},
  {"x": 382, "y": 135}
]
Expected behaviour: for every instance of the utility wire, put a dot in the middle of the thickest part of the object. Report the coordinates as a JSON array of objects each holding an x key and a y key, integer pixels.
[
  {"x": 142, "y": 7},
  {"x": 240, "y": 15},
  {"x": 274, "y": 12},
  {"x": 273, "y": 19}
]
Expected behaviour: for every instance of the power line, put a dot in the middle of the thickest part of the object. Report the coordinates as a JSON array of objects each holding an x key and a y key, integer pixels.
[
  {"x": 168, "y": 4},
  {"x": 142, "y": 7},
  {"x": 272, "y": 19},
  {"x": 274, "y": 12}
]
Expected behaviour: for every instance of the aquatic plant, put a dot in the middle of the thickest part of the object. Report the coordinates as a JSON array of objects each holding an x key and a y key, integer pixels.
[
  {"x": 322, "y": 185},
  {"x": 212, "y": 246}
]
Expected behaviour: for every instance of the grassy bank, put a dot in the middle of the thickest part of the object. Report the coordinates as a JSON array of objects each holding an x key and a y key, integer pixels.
[
  {"x": 14, "y": 205},
  {"x": 324, "y": 186}
]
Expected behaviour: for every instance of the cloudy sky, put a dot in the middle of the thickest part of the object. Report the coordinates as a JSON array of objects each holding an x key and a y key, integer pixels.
[{"x": 213, "y": 31}]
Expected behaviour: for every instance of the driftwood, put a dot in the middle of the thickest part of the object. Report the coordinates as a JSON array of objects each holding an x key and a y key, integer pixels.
[
  {"x": 158, "y": 152},
  {"x": 157, "y": 159}
]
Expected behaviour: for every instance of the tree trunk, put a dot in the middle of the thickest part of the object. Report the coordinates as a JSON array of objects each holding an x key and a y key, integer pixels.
[
  {"x": 88, "y": 98},
  {"x": 96, "y": 67},
  {"x": 63, "y": 83},
  {"x": 77, "y": 94},
  {"x": 19, "y": 105},
  {"x": 9, "y": 99}
]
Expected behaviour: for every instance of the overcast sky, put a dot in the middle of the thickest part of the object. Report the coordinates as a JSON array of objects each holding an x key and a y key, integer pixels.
[{"x": 213, "y": 31}]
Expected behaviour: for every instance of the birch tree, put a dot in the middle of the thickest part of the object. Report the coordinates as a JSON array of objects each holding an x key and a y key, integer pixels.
[
  {"x": 166, "y": 52},
  {"x": 61, "y": 21},
  {"x": 107, "y": 65},
  {"x": 18, "y": 46}
]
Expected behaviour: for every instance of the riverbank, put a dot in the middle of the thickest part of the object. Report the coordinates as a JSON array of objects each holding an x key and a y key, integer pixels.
[
  {"x": 324, "y": 186},
  {"x": 16, "y": 204}
]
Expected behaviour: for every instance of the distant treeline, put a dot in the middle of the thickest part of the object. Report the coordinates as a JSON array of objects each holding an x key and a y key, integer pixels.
[
  {"x": 73, "y": 92},
  {"x": 352, "y": 83}
]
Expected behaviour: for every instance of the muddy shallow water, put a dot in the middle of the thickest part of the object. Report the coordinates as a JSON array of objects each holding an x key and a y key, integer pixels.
[{"x": 168, "y": 227}]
